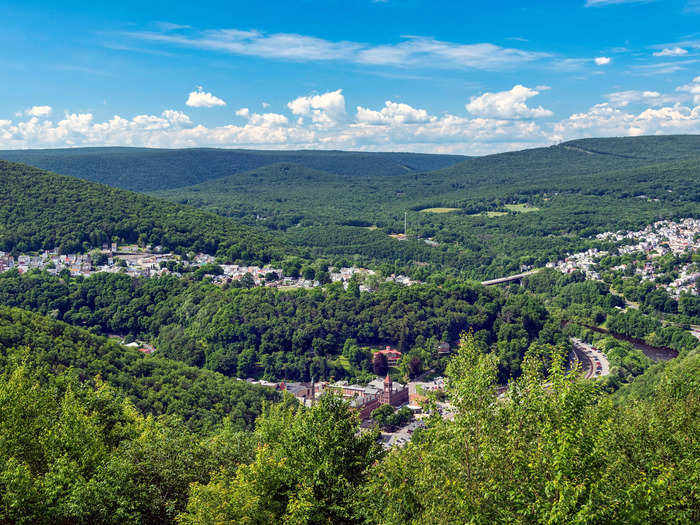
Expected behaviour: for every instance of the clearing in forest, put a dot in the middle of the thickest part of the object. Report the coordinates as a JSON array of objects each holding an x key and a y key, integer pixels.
[
  {"x": 521, "y": 208},
  {"x": 438, "y": 210}
]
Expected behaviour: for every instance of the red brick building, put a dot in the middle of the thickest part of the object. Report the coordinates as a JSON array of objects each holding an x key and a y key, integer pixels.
[
  {"x": 392, "y": 356},
  {"x": 393, "y": 395}
]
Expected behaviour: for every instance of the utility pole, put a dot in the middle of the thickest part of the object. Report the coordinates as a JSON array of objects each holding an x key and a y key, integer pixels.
[{"x": 405, "y": 223}]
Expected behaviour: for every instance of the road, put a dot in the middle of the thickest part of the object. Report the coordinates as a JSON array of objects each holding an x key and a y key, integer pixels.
[{"x": 593, "y": 361}]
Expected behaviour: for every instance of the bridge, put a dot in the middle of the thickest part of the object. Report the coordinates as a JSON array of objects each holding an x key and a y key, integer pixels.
[{"x": 510, "y": 278}]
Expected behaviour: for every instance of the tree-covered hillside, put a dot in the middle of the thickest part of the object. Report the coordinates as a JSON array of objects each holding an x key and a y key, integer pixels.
[
  {"x": 488, "y": 215},
  {"x": 556, "y": 452},
  {"x": 42, "y": 210},
  {"x": 142, "y": 169},
  {"x": 155, "y": 385},
  {"x": 482, "y": 217},
  {"x": 290, "y": 334},
  {"x": 656, "y": 147}
]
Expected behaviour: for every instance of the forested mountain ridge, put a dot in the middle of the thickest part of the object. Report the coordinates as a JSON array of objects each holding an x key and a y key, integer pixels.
[
  {"x": 144, "y": 169},
  {"x": 92, "y": 432},
  {"x": 476, "y": 210},
  {"x": 472, "y": 213},
  {"x": 42, "y": 210},
  {"x": 653, "y": 147}
]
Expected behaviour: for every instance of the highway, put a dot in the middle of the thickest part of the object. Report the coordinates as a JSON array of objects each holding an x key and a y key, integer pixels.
[{"x": 594, "y": 363}]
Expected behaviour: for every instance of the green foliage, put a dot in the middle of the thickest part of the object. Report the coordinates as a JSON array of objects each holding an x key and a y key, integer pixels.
[
  {"x": 71, "y": 454},
  {"x": 92, "y": 432},
  {"x": 552, "y": 452},
  {"x": 74, "y": 450},
  {"x": 154, "y": 385},
  {"x": 386, "y": 416},
  {"x": 142, "y": 169},
  {"x": 296, "y": 334},
  {"x": 325, "y": 203},
  {"x": 625, "y": 361},
  {"x": 644, "y": 387},
  {"x": 579, "y": 188},
  {"x": 308, "y": 467},
  {"x": 633, "y": 323}
]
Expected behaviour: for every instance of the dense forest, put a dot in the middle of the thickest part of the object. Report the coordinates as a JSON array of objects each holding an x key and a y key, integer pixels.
[
  {"x": 479, "y": 218},
  {"x": 484, "y": 216},
  {"x": 41, "y": 210},
  {"x": 92, "y": 431},
  {"x": 155, "y": 385},
  {"x": 289, "y": 334}
]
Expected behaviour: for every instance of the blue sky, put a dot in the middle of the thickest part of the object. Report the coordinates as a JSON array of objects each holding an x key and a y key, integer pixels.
[{"x": 465, "y": 77}]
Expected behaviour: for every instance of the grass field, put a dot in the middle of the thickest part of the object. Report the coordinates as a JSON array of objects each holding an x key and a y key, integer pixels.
[
  {"x": 438, "y": 210},
  {"x": 521, "y": 208},
  {"x": 517, "y": 208}
]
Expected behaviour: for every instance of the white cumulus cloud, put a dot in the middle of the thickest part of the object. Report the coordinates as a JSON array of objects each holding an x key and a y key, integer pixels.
[
  {"x": 507, "y": 104},
  {"x": 264, "y": 119},
  {"x": 602, "y": 61},
  {"x": 393, "y": 113},
  {"x": 653, "y": 98},
  {"x": 694, "y": 89},
  {"x": 604, "y": 120},
  {"x": 671, "y": 52},
  {"x": 327, "y": 109},
  {"x": 38, "y": 111},
  {"x": 203, "y": 99},
  {"x": 493, "y": 122}
]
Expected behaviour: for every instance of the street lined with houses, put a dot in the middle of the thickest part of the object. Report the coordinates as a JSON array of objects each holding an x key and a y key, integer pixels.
[
  {"x": 674, "y": 238},
  {"x": 136, "y": 261}
]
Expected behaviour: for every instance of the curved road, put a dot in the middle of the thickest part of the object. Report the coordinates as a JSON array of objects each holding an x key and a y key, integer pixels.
[{"x": 593, "y": 361}]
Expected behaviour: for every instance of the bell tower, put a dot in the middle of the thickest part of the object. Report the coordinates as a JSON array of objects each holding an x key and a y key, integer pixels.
[{"x": 386, "y": 394}]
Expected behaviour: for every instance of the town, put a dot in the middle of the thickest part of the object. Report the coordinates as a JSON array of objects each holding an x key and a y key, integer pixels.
[
  {"x": 659, "y": 239},
  {"x": 397, "y": 407},
  {"x": 136, "y": 261}
]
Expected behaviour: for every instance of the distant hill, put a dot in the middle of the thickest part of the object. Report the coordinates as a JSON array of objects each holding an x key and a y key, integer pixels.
[
  {"x": 285, "y": 187},
  {"x": 343, "y": 206},
  {"x": 144, "y": 170},
  {"x": 577, "y": 188},
  {"x": 42, "y": 210},
  {"x": 655, "y": 148}
]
